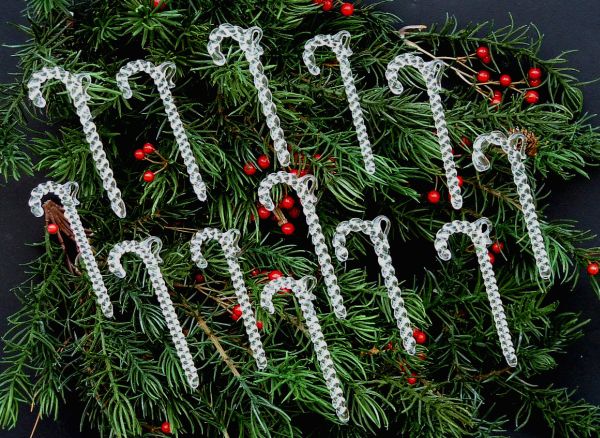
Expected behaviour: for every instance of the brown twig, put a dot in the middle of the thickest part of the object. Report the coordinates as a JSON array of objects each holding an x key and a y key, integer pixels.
[{"x": 481, "y": 377}]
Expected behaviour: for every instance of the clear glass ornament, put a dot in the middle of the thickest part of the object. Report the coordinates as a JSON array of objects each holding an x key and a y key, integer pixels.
[
  {"x": 148, "y": 250},
  {"x": 339, "y": 43},
  {"x": 432, "y": 74},
  {"x": 378, "y": 230},
  {"x": 249, "y": 42},
  {"x": 229, "y": 244},
  {"x": 67, "y": 193},
  {"x": 77, "y": 85},
  {"x": 305, "y": 189},
  {"x": 513, "y": 146},
  {"x": 162, "y": 76},
  {"x": 303, "y": 290},
  {"x": 479, "y": 233}
]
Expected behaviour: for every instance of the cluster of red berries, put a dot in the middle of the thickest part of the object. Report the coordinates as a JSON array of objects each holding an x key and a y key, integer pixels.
[
  {"x": 141, "y": 154},
  {"x": 288, "y": 204},
  {"x": 420, "y": 338},
  {"x": 534, "y": 77},
  {"x": 347, "y": 9},
  {"x": 263, "y": 162}
]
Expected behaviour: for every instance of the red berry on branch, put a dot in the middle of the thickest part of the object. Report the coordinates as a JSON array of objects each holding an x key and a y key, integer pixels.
[
  {"x": 327, "y": 5},
  {"x": 52, "y": 229},
  {"x": 275, "y": 274},
  {"x": 255, "y": 272},
  {"x": 496, "y": 100},
  {"x": 317, "y": 156},
  {"x": 505, "y": 80},
  {"x": 263, "y": 162},
  {"x": 466, "y": 142},
  {"x": 235, "y": 317},
  {"x": 303, "y": 172},
  {"x": 263, "y": 213},
  {"x": 486, "y": 60},
  {"x": 259, "y": 325},
  {"x": 318, "y": 2},
  {"x": 483, "y": 76},
  {"x": 389, "y": 346},
  {"x": 149, "y": 176},
  {"x": 347, "y": 9},
  {"x": 461, "y": 181},
  {"x": 420, "y": 336},
  {"x": 532, "y": 97},
  {"x": 492, "y": 258},
  {"x": 162, "y": 6},
  {"x": 199, "y": 278},
  {"x": 237, "y": 310},
  {"x": 483, "y": 52},
  {"x": 287, "y": 202},
  {"x": 139, "y": 154},
  {"x": 294, "y": 172},
  {"x": 294, "y": 213},
  {"x": 166, "y": 426},
  {"x": 249, "y": 169},
  {"x": 535, "y": 82},
  {"x": 534, "y": 73},
  {"x": 593, "y": 269},
  {"x": 148, "y": 148},
  {"x": 434, "y": 196},
  {"x": 422, "y": 356},
  {"x": 411, "y": 380},
  {"x": 288, "y": 229},
  {"x": 497, "y": 247}
]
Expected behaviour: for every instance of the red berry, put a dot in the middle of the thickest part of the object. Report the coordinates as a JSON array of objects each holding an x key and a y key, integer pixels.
[
  {"x": 498, "y": 93},
  {"x": 237, "y": 310},
  {"x": 235, "y": 317},
  {"x": 534, "y": 73},
  {"x": 497, "y": 247},
  {"x": 483, "y": 76},
  {"x": 419, "y": 336},
  {"x": 422, "y": 356},
  {"x": 199, "y": 278},
  {"x": 294, "y": 172},
  {"x": 275, "y": 274},
  {"x": 461, "y": 181},
  {"x": 52, "y": 228},
  {"x": 593, "y": 268},
  {"x": 389, "y": 346},
  {"x": 483, "y": 52},
  {"x": 149, "y": 176},
  {"x": 492, "y": 258},
  {"x": 294, "y": 213},
  {"x": 434, "y": 196},
  {"x": 347, "y": 9},
  {"x": 465, "y": 141},
  {"x": 139, "y": 154},
  {"x": 287, "y": 202},
  {"x": 411, "y": 380},
  {"x": 249, "y": 169},
  {"x": 318, "y": 2},
  {"x": 259, "y": 325},
  {"x": 162, "y": 6},
  {"x": 327, "y": 5},
  {"x": 149, "y": 148},
  {"x": 288, "y": 229},
  {"x": 263, "y": 213},
  {"x": 535, "y": 82},
  {"x": 263, "y": 162},
  {"x": 532, "y": 97},
  {"x": 303, "y": 172},
  {"x": 317, "y": 156},
  {"x": 166, "y": 426},
  {"x": 486, "y": 60},
  {"x": 505, "y": 80},
  {"x": 255, "y": 272},
  {"x": 496, "y": 100}
]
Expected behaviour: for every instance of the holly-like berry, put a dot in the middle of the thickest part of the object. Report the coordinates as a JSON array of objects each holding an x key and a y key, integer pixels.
[
  {"x": 532, "y": 97},
  {"x": 534, "y": 73},
  {"x": 148, "y": 148},
  {"x": 255, "y": 272},
  {"x": 461, "y": 181},
  {"x": 483, "y": 52},
  {"x": 411, "y": 380},
  {"x": 317, "y": 156},
  {"x": 294, "y": 213},
  {"x": 483, "y": 76},
  {"x": 492, "y": 258},
  {"x": 497, "y": 247},
  {"x": 420, "y": 336},
  {"x": 139, "y": 154},
  {"x": 263, "y": 213},
  {"x": 535, "y": 82},
  {"x": 249, "y": 169},
  {"x": 199, "y": 278},
  {"x": 466, "y": 142},
  {"x": 505, "y": 80},
  {"x": 328, "y": 5},
  {"x": 389, "y": 346},
  {"x": 263, "y": 162},
  {"x": 347, "y": 9},
  {"x": 287, "y": 202},
  {"x": 275, "y": 274},
  {"x": 288, "y": 229},
  {"x": 163, "y": 5},
  {"x": 318, "y": 2},
  {"x": 593, "y": 268},
  {"x": 422, "y": 356},
  {"x": 303, "y": 172},
  {"x": 496, "y": 100},
  {"x": 166, "y": 426},
  {"x": 434, "y": 196},
  {"x": 52, "y": 229},
  {"x": 237, "y": 310},
  {"x": 259, "y": 325},
  {"x": 149, "y": 176},
  {"x": 486, "y": 60},
  {"x": 294, "y": 172}
]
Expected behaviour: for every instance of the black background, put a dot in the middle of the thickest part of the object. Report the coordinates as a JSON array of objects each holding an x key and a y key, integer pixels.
[{"x": 566, "y": 26}]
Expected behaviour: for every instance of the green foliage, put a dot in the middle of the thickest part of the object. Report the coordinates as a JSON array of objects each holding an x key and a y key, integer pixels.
[{"x": 125, "y": 371}]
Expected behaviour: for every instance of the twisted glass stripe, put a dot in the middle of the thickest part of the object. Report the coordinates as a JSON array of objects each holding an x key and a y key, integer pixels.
[{"x": 76, "y": 85}]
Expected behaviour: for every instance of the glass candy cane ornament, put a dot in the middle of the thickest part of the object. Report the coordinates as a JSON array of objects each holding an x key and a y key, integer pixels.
[
  {"x": 67, "y": 193},
  {"x": 305, "y": 188},
  {"x": 479, "y": 232},
  {"x": 377, "y": 230},
  {"x": 229, "y": 243},
  {"x": 162, "y": 76},
  {"x": 76, "y": 85},
  {"x": 148, "y": 250},
  {"x": 249, "y": 41},
  {"x": 303, "y": 290},
  {"x": 513, "y": 147},
  {"x": 432, "y": 74},
  {"x": 339, "y": 43}
]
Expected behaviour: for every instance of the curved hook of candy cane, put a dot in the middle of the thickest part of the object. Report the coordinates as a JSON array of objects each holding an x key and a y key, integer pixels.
[
  {"x": 443, "y": 235},
  {"x": 517, "y": 142},
  {"x": 115, "y": 265},
  {"x": 383, "y": 224},
  {"x": 339, "y": 240},
  {"x": 247, "y": 38},
  {"x": 481, "y": 143},
  {"x": 149, "y": 246},
  {"x": 304, "y": 186},
  {"x": 67, "y": 193},
  {"x": 481, "y": 230},
  {"x": 339, "y": 43},
  {"x": 232, "y": 237},
  {"x": 154, "y": 245},
  {"x": 198, "y": 240},
  {"x": 305, "y": 284}
]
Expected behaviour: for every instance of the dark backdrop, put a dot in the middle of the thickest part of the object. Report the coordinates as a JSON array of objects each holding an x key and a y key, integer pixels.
[{"x": 566, "y": 26}]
